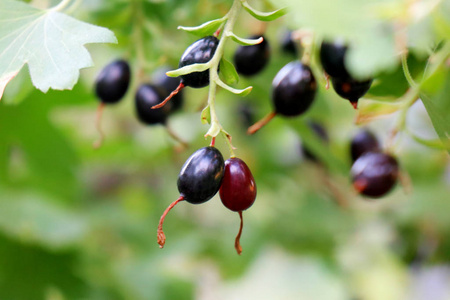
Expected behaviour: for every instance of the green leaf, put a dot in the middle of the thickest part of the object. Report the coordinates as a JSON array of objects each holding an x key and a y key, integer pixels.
[
  {"x": 435, "y": 144},
  {"x": 206, "y": 115},
  {"x": 264, "y": 16},
  {"x": 244, "y": 42},
  {"x": 188, "y": 69},
  {"x": 36, "y": 220},
  {"x": 205, "y": 29},
  {"x": 228, "y": 71},
  {"x": 51, "y": 43},
  {"x": 243, "y": 92}
]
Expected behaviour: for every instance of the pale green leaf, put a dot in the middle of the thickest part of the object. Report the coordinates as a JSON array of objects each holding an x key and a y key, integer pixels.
[
  {"x": 51, "y": 43},
  {"x": 228, "y": 71},
  {"x": 240, "y": 92},
  {"x": 188, "y": 69},
  {"x": 205, "y": 29},
  {"x": 244, "y": 42},
  {"x": 264, "y": 16},
  {"x": 369, "y": 110}
]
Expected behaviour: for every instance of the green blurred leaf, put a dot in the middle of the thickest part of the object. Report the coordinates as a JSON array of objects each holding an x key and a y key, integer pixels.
[
  {"x": 188, "y": 69},
  {"x": 240, "y": 92},
  {"x": 50, "y": 43},
  {"x": 370, "y": 110},
  {"x": 36, "y": 220}
]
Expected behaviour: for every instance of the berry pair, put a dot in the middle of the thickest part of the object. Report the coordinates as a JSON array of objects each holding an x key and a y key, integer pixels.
[
  {"x": 373, "y": 173},
  {"x": 332, "y": 57},
  {"x": 204, "y": 174}
]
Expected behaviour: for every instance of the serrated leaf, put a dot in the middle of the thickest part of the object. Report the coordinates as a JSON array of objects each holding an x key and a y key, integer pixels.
[
  {"x": 188, "y": 69},
  {"x": 243, "y": 92},
  {"x": 264, "y": 16},
  {"x": 228, "y": 71},
  {"x": 207, "y": 28},
  {"x": 51, "y": 43},
  {"x": 244, "y": 42},
  {"x": 369, "y": 110},
  {"x": 206, "y": 115}
]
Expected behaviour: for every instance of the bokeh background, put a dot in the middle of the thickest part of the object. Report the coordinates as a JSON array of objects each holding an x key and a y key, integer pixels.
[{"x": 79, "y": 223}]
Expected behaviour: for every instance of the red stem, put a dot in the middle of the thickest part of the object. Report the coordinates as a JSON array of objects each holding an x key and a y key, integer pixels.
[
  {"x": 160, "y": 233},
  {"x": 327, "y": 79},
  {"x": 354, "y": 104},
  {"x": 176, "y": 91},
  {"x": 258, "y": 125},
  {"x": 98, "y": 120},
  {"x": 213, "y": 142},
  {"x": 237, "y": 244}
]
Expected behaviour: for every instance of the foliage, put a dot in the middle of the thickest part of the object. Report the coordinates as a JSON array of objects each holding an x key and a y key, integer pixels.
[{"x": 78, "y": 223}]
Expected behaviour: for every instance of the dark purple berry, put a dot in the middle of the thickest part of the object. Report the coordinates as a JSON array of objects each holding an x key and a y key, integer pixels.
[
  {"x": 146, "y": 96},
  {"x": 374, "y": 174},
  {"x": 293, "y": 89},
  {"x": 112, "y": 82},
  {"x": 320, "y": 131},
  {"x": 238, "y": 191},
  {"x": 169, "y": 84},
  {"x": 199, "y": 180},
  {"x": 332, "y": 57},
  {"x": 199, "y": 52},
  {"x": 351, "y": 89},
  {"x": 250, "y": 60},
  {"x": 288, "y": 45},
  {"x": 364, "y": 141}
]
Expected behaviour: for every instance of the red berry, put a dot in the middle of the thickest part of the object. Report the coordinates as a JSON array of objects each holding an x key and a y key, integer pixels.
[{"x": 238, "y": 191}]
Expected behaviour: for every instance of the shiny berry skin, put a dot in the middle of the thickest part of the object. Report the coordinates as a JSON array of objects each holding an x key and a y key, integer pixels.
[
  {"x": 294, "y": 88},
  {"x": 146, "y": 96},
  {"x": 238, "y": 189},
  {"x": 364, "y": 141},
  {"x": 169, "y": 84},
  {"x": 332, "y": 56},
  {"x": 250, "y": 60},
  {"x": 374, "y": 174},
  {"x": 113, "y": 81},
  {"x": 351, "y": 89},
  {"x": 199, "y": 52},
  {"x": 321, "y": 132},
  {"x": 201, "y": 175}
]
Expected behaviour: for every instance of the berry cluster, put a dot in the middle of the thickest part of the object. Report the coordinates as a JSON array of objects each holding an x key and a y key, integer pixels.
[{"x": 294, "y": 88}]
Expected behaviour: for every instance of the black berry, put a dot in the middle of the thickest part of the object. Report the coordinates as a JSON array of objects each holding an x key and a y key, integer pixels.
[
  {"x": 374, "y": 174},
  {"x": 332, "y": 57},
  {"x": 321, "y": 132},
  {"x": 199, "y": 180},
  {"x": 199, "y": 52},
  {"x": 112, "y": 82},
  {"x": 351, "y": 89},
  {"x": 364, "y": 141},
  {"x": 293, "y": 91},
  {"x": 201, "y": 175},
  {"x": 238, "y": 191},
  {"x": 250, "y": 60},
  {"x": 146, "y": 96}
]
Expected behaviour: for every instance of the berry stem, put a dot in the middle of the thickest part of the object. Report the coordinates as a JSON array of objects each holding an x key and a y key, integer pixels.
[
  {"x": 160, "y": 233},
  {"x": 98, "y": 125},
  {"x": 176, "y": 137},
  {"x": 237, "y": 243},
  {"x": 176, "y": 91},
  {"x": 261, "y": 123}
]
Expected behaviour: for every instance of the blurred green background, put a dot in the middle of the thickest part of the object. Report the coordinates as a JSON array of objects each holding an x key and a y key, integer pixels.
[{"x": 79, "y": 223}]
